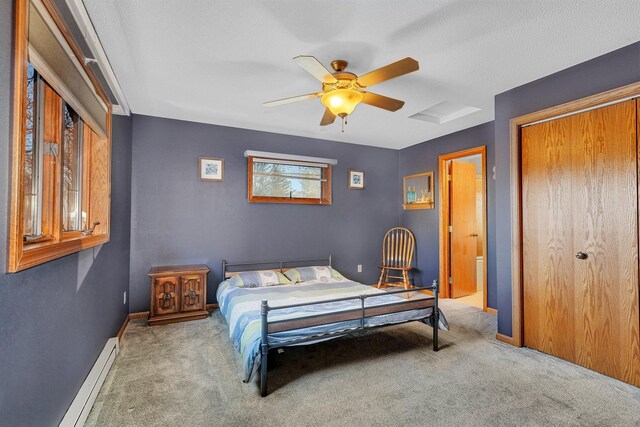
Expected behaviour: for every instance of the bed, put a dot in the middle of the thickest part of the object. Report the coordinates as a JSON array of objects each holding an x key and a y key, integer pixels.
[{"x": 315, "y": 309}]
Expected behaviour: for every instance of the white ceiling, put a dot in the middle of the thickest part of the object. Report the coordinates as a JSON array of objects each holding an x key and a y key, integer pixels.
[{"x": 217, "y": 61}]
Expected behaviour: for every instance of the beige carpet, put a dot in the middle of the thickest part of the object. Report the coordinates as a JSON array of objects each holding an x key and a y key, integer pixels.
[{"x": 189, "y": 374}]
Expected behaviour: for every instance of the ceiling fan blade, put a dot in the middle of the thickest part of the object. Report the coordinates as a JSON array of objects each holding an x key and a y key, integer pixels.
[
  {"x": 383, "y": 102},
  {"x": 397, "y": 69},
  {"x": 284, "y": 101},
  {"x": 315, "y": 68},
  {"x": 328, "y": 118}
]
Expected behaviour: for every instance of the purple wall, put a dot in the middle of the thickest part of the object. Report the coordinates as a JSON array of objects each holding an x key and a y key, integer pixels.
[
  {"x": 424, "y": 223},
  {"x": 57, "y": 317},
  {"x": 615, "y": 69},
  {"x": 176, "y": 218}
]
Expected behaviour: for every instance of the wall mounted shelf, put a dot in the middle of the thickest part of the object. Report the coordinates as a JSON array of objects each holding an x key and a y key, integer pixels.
[{"x": 418, "y": 191}]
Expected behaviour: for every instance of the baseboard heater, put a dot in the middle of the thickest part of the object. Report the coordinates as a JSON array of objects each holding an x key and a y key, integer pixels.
[{"x": 81, "y": 406}]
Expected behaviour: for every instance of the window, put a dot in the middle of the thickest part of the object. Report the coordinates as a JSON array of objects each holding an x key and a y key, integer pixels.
[
  {"x": 32, "y": 162},
  {"x": 61, "y": 162},
  {"x": 40, "y": 159},
  {"x": 73, "y": 218},
  {"x": 289, "y": 181}
]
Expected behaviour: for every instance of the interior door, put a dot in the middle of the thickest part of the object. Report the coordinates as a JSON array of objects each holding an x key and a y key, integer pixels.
[
  {"x": 548, "y": 257},
  {"x": 464, "y": 230},
  {"x": 580, "y": 239}
]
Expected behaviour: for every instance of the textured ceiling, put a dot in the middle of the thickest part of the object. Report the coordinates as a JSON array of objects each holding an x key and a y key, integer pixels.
[{"x": 217, "y": 61}]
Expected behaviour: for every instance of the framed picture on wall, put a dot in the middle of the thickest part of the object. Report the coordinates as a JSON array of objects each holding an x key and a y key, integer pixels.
[
  {"x": 211, "y": 169},
  {"x": 356, "y": 179}
]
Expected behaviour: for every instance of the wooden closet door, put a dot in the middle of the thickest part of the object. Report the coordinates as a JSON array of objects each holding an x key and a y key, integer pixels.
[
  {"x": 605, "y": 212},
  {"x": 548, "y": 259},
  {"x": 580, "y": 194}
]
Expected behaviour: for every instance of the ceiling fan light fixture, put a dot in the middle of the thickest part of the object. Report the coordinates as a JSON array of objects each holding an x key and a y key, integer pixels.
[
  {"x": 341, "y": 102},
  {"x": 342, "y": 90}
]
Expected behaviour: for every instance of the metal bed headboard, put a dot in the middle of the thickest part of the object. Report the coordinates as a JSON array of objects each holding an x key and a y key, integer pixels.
[{"x": 281, "y": 263}]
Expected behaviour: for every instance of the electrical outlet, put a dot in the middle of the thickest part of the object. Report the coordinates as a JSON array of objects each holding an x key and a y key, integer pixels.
[
  {"x": 359, "y": 268},
  {"x": 124, "y": 297}
]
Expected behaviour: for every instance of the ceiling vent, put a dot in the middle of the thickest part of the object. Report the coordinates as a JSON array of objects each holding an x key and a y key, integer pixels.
[{"x": 444, "y": 112}]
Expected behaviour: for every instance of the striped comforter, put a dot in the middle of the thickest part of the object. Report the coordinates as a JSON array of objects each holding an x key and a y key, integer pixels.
[{"x": 241, "y": 308}]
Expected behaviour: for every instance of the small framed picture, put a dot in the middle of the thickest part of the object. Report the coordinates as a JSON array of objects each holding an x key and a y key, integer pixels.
[
  {"x": 211, "y": 169},
  {"x": 356, "y": 179}
]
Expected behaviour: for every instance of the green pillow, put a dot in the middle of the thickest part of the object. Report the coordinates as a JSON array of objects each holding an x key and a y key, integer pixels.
[
  {"x": 258, "y": 279},
  {"x": 303, "y": 274}
]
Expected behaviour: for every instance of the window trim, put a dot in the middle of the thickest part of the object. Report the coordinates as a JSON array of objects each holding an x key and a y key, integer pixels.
[
  {"x": 20, "y": 255},
  {"x": 325, "y": 200}
]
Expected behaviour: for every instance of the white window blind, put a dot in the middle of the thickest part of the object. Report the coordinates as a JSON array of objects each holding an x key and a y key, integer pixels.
[
  {"x": 54, "y": 59},
  {"x": 264, "y": 156},
  {"x": 290, "y": 162}
]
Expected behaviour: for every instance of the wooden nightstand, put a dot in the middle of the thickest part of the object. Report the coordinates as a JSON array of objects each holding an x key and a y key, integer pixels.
[{"x": 178, "y": 293}]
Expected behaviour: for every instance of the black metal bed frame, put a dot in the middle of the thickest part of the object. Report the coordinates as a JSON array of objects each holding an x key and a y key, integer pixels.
[{"x": 360, "y": 314}]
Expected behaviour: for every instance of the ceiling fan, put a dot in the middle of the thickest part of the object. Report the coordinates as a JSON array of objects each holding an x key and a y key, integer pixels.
[{"x": 342, "y": 91}]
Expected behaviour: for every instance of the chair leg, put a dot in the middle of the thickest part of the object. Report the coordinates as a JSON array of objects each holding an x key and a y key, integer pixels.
[
  {"x": 407, "y": 285},
  {"x": 381, "y": 277}
]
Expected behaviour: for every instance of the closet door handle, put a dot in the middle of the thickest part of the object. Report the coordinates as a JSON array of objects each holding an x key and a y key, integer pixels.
[{"x": 582, "y": 255}]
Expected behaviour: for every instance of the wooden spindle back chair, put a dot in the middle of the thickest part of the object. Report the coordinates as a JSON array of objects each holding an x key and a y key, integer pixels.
[{"x": 398, "y": 246}]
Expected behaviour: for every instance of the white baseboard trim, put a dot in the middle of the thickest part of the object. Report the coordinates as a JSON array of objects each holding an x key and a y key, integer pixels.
[{"x": 81, "y": 406}]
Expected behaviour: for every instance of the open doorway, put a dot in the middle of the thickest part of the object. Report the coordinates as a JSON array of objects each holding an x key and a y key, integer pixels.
[{"x": 463, "y": 225}]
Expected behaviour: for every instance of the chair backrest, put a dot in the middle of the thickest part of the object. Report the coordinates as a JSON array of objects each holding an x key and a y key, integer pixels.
[{"x": 398, "y": 246}]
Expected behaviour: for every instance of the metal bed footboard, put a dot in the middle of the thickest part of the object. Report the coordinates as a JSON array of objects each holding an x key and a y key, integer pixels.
[{"x": 360, "y": 313}]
